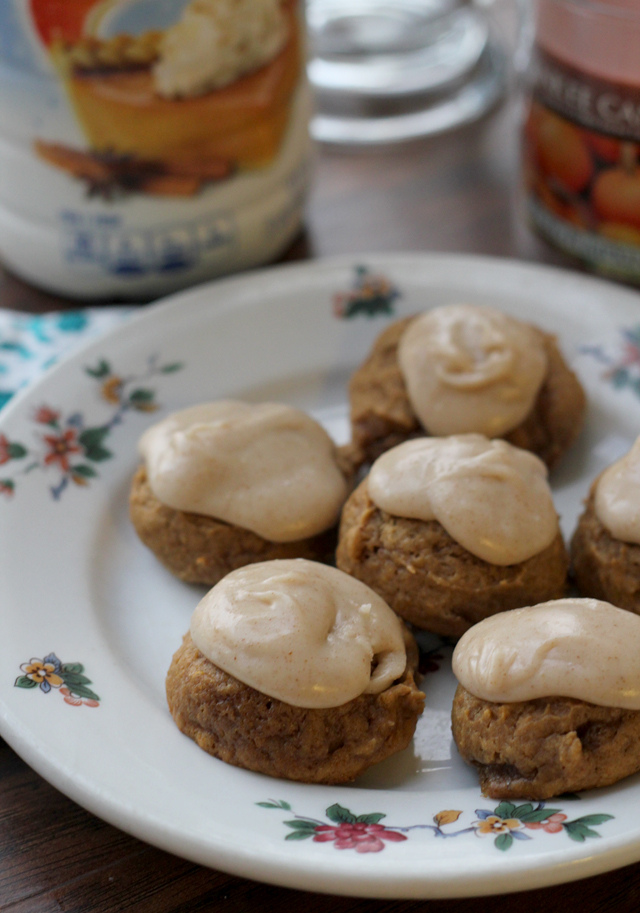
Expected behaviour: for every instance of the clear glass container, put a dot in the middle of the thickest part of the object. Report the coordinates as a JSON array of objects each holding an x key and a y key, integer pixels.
[{"x": 387, "y": 71}]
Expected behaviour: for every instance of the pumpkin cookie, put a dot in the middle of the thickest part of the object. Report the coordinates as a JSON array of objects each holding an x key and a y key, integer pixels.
[
  {"x": 549, "y": 699},
  {"x": 227, "y": 483},
  {"x": 605, "y": 548},
  {"x": 259, "y": 683},
  {"x": 464, "y": 368},
  {"x": 451, "y": 530}
]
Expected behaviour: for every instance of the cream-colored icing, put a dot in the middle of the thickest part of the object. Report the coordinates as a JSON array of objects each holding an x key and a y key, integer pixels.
[
  {"x": 217, "y": 41},
  {"x": 302, "y": 632},
  {"x": 268, "y": 468},
  {"x": 617, "y": 497},
  {"x": 471, "y": 368},
  {"x": 491, "y": 497},
  {"x": 580, "y": 648}
]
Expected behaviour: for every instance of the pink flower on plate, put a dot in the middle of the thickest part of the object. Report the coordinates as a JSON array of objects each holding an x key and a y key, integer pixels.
[
  {"x": 552, "y": 825},
  {"x": 363, "y": 838},
  {"x": 46, "y": 416}
]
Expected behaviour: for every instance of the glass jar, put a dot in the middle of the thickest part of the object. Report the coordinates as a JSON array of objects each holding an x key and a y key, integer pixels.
[
  {"x": 581, "y": 135},
  {"x": 146, "y": 145}
]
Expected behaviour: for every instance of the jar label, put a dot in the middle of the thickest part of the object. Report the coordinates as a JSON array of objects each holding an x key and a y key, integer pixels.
[
  {"x": 600, "y": 105},
  {"x": 581, "y": 153},
  {"x": 142, "y": 128}
]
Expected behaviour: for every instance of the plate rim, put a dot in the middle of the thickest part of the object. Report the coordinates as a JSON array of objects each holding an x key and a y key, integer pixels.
[{"x": 619, "y": 851}]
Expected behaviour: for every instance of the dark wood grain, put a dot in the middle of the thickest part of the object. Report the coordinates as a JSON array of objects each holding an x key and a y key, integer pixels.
[{"x": 453, "y": 193}]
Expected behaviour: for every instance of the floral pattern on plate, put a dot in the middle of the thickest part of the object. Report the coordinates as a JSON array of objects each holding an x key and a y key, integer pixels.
[
  {"x": 506, "y": 823},
  {"x": 623, "y": 370},
  {"x": 370, "y": 294},
  {"x": 68, "y": 443},
  {"x": 50, "y": 674},
  {"x": 307, "y": 360}
]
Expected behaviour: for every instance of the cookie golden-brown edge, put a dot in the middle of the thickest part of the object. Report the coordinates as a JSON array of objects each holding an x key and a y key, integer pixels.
[
  {"x": 429, "y": 579},
  {"x": 542, "y": 748},
  {"x": 382, "y": 416},
  {"x": 249, "y": 729}
]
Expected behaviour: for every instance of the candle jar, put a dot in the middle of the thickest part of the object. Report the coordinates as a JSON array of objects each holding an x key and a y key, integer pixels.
[
  {"x": 146, "y": 146},
  {"x": 581, "y": 134}
]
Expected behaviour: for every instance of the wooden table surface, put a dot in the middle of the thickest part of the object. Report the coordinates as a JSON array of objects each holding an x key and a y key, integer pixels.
[{"x": 457, "y": 192}]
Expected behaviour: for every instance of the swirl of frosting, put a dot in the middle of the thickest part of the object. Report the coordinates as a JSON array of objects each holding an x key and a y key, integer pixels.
[
  {"x": 617, "y": 492},
  {"x": 268, "y": 468},
  {"x": 302, "y": 632},
  {"x": 491, "y": 497},
  {"x": 580, "y": 648},
  {"x": 470, "y": 368}
]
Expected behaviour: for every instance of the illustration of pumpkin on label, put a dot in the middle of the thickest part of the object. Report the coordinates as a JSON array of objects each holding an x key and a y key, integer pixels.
[
  {"x": 581, "y": 136},
  {"x": 171, "y": 95}
]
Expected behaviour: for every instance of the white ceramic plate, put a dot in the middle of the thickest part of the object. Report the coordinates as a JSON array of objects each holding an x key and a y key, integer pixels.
[{"x": 83, "y": 601}]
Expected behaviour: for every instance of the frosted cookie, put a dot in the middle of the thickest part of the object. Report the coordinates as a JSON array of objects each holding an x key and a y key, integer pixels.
[
  {"x": 465, "y": 368},
  {"x": 295, "y": 670},
  {"x": 605, "y": 548},
  {"x": 225, "y": 484},
  {"x": 549, "y": 699},
  {"x": 451, "y": 530}
]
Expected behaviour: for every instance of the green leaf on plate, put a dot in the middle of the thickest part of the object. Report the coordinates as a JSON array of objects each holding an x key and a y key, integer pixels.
[
  {"x": 579, "y": 831},
  {"x": 141, "y": 396},
  {"x": 23, "y": 681},
  {"x": 91, "y": 440},
  {"x": 16, "y": 451},
  {"x": 504, "y": 841},
  {"x": 536, "y": 815},
  {"x": 84, "y": 471},
  {"x": 373, "y": 818},
  {"x": 102, "y": 369},
  {"x": 301, "y": 824},
  {"x": 80, "y": 690},
  {"x": 592, "y": 819},
  {"x": 505, "y": 810},
  {"x": 340, "y": 815}
]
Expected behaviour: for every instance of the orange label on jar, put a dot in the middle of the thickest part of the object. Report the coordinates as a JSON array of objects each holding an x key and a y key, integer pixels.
[{"x": 582, "y": 166}]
